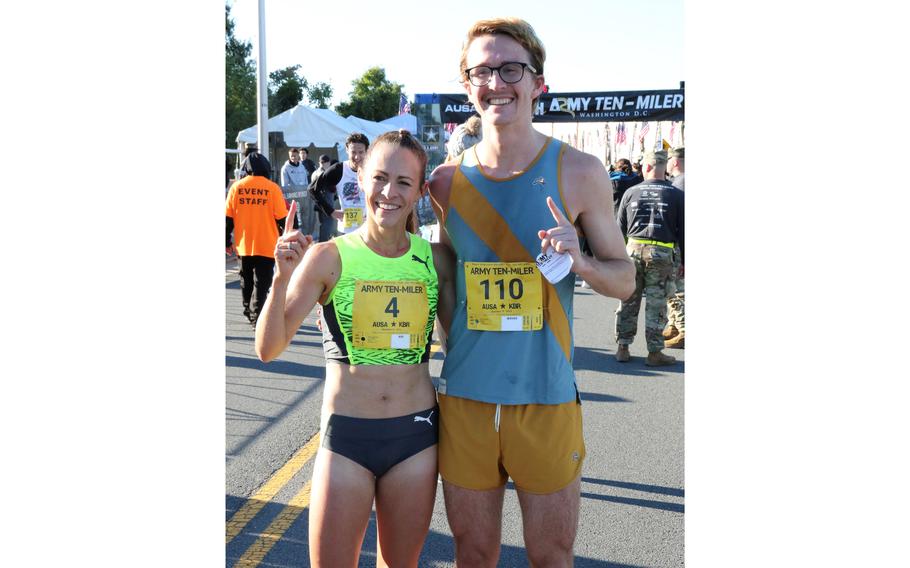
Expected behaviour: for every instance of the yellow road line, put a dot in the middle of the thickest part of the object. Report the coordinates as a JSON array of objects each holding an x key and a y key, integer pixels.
[
  {"x": 271, "y": 488},
  {"x": 255, "y": 553}
]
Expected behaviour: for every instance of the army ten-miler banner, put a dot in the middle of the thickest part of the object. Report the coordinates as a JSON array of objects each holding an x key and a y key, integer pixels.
[{"x": 615, "y": 106}]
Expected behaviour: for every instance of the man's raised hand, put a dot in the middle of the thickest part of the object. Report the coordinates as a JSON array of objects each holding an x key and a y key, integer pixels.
[{"x": 563, "y": 237}]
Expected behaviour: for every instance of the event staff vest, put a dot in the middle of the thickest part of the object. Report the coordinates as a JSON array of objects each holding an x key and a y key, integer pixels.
[
  {"x": 352, "y": 199},
  {"x": 255, "y": 203},
  {"x": 381, "y": 310},
  {"x": 496, "y": 221}
]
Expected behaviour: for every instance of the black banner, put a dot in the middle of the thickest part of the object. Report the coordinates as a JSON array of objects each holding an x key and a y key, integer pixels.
[{"x": 615, "y": 106}]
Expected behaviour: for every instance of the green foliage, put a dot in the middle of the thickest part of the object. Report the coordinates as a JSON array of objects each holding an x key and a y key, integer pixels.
[
  {"x": 286, "y": 89},
  {"x": 286, "y": 86},
  {"x": 239, "y": 85},
  {"x": 374, "y": 97},
  {"x": 319, "y": 94}
]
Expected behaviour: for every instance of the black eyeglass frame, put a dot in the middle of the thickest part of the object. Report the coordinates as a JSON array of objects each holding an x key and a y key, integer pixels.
[{"x": 467, "y": 72}]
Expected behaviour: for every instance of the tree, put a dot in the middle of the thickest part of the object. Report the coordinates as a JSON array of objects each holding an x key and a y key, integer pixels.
[
  {"x": 239, "y": 84},
  {"x": 319, "y": 95},
  {"x": 374, "y": 97},
  {"x": 286, "y": 89}
]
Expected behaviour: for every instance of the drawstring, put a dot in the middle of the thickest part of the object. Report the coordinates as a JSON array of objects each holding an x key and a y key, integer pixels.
[{"x": 496, "y": 420}]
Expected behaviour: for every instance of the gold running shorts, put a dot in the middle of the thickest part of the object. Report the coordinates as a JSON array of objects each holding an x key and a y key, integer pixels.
[{"x": 540, "y": 446}]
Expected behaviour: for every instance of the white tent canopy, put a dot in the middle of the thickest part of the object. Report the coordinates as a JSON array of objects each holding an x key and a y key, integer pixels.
[
  {"x": 368, "y": 127},
  {"x": 303, "y": 125},
  {"x": 406, "y": 121}
]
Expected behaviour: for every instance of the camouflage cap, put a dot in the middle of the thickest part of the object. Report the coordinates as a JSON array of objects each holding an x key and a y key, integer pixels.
[
  {"x": 654, "y": 158},
  {"x": 678, "y": 152}
]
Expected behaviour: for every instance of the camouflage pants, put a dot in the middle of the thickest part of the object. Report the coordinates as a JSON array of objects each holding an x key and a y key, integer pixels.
[
  {"x": 676, "y": 303},
  {"x": 653, "y": 278}
]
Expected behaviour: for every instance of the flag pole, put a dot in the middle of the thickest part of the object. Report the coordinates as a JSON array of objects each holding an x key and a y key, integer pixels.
[{"x": 262, "y": 94}]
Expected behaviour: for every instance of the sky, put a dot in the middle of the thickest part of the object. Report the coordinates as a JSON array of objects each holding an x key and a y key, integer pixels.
[{"x": 591, "y": 45}]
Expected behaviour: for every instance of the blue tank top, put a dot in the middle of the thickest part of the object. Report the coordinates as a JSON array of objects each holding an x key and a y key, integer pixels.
[{"x": 496, "y": 220}]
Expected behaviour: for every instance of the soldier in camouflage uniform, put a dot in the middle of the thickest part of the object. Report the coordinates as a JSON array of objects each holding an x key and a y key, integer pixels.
[
  {"x": 651, "y": 216},
  {"x": 675, "y": 334},
  {"x": 654, "y": 270}
]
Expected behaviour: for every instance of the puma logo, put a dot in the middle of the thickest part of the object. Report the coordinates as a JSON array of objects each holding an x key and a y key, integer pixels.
[
  {"x": 416, "y": 258},
  {"x": 427, "y": 419}
]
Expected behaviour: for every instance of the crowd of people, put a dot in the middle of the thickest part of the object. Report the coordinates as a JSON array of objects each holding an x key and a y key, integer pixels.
[{"x": 513, "y": 205}]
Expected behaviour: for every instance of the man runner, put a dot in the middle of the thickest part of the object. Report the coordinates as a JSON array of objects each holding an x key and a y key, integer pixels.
[{"x": 508, "y": 402}]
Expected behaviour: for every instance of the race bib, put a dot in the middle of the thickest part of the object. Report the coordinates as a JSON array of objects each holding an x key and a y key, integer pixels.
[
  {"x": 504, "y": 296},
  {"x": 389, "y": 314},
  {"x": 353, "y": 217}
]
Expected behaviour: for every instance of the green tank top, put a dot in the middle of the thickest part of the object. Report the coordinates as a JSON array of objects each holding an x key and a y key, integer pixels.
[{"x": 381, "y": 310}]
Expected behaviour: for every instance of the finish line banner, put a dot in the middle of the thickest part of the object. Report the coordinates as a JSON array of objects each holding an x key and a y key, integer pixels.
[{"x": 615, "y": 106}]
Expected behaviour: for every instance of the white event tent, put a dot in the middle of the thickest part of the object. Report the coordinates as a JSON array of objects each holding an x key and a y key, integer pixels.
[
  {"x": 406, "y": 121},
  {"x": 323, "y": 128}
]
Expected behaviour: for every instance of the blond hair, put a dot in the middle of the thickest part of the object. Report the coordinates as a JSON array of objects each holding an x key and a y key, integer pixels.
[{"x": 517, "y": 29}]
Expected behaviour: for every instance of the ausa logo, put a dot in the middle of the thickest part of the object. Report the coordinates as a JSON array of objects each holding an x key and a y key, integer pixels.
[{"x": 459, "y": 108}]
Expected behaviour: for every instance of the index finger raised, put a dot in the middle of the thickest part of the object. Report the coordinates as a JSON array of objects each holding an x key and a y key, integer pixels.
[
  {"x": 557, "y": 214},
  {"x": 289, "y": 222}
]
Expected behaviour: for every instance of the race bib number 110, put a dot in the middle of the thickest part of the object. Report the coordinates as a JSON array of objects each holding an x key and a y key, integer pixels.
[{"x": 504, "y": 296}]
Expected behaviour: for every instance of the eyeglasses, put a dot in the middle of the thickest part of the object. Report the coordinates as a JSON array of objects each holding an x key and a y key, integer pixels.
[{"x": 510, "y": 72}]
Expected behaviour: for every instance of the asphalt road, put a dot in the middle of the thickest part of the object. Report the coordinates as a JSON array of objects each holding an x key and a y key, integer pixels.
[{"x": 632, "y": 487}]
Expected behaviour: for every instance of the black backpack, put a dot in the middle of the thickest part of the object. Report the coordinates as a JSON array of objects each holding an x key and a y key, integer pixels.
[{"x": 322, "y": 188}]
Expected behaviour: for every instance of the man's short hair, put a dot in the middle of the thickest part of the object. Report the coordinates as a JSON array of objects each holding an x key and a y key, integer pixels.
[
  {"x": 292, "y": 150},
  {"x": 358, "y": 138},
  {"x": 678, "y": 153},
  {"x": 655, "y": 158},
  {"x": 517, "y": 29},
  {"x": 323, "y": 158}
]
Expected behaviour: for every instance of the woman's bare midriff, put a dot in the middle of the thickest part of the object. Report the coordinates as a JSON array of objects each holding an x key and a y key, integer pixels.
[{"x": 377, "y": 391}]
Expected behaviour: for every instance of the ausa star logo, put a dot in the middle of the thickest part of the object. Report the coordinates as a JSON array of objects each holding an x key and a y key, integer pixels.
[{"x": 430, "y": 135}]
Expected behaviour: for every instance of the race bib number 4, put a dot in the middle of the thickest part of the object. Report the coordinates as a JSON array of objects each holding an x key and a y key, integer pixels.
[
  {"x": 353, "y": 217},
  {"x": 504, "y": 296},
  {"x": 390, "y": 315}
]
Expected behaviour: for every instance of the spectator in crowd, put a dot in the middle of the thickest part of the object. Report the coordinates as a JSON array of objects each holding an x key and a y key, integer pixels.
[
  {"x": 464, "y": 136},
  {"x": 623, "y": 178},
  {"x": 326, "y": 221},
  {"x": 675, "y": 332},
  {"x": 307, "y": 163},
  {"x": 676, "y": 167},
  {"x": 651, "y": 216},
  {"x": 294, "y": 181}
]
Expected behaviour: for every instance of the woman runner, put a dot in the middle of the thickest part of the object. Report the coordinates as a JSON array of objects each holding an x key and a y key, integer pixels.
[{"x": 380, "y": 288}]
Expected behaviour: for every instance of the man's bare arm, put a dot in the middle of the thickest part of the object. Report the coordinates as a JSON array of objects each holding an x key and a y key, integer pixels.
[{"x": 589, "y": 196}]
